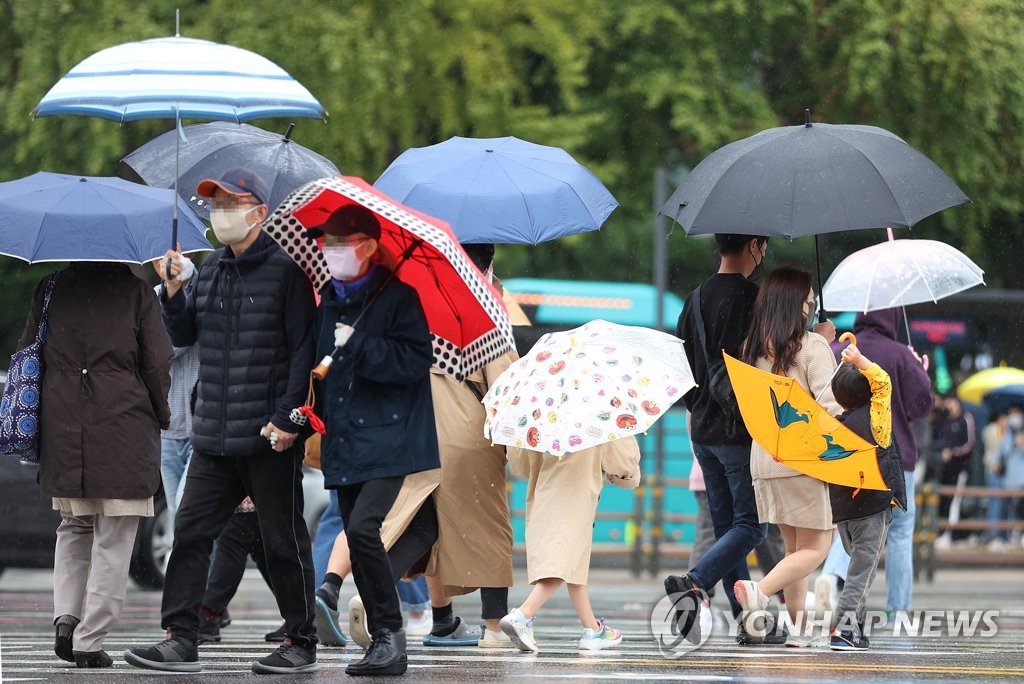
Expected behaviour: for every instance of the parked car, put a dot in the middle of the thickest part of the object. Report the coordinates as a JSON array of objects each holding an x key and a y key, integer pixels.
[{"x": 28, "y": 524}]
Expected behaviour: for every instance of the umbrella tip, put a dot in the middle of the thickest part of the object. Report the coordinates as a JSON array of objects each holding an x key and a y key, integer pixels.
[
  {"x": 82, "y": 180},
  {"x": 488, "y": 150},
  {"x": 177, "y": 23},
  {"x": 288, "y": 133},
  {"x": 807, "y": 118}
]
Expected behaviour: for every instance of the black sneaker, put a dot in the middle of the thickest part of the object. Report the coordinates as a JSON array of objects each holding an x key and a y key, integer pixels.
[
  {"x": 275, "y": 637},
  {"x": 689, "y": 599},
  {"x": 287, "y": 659},
  {"x": 64, "y": 629},
  {"x": 775, "y": 637},
  {"x": 328, "y": 593},
  {"x": 848, "y": 641},
  {"x": 170, "y": 655},
  {"x": 225, "y": 619}
]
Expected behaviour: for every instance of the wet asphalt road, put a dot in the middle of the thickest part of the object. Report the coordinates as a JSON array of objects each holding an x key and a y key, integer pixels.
[{"x": 26, "y": 642}]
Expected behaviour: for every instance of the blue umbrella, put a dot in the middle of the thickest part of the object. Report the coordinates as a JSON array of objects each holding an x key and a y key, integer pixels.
[
  {"x": 1000, "y": 400},
  {"x": 178, "y": 78},
  {"x": 57, "y": 217},
  {"x": 500, "y": 190}
]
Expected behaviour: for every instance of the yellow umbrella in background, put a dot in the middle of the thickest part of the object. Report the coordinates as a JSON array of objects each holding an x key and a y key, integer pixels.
[
  {"x": 974, "y": 388},
  {"x": 786, "y": 421}
]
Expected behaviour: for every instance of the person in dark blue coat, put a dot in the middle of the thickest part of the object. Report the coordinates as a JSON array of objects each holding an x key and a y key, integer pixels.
[{"x": 377, "y": 408}]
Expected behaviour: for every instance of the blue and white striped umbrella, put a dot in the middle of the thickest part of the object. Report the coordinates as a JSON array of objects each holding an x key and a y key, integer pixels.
[{"x": 181, "y": 78}]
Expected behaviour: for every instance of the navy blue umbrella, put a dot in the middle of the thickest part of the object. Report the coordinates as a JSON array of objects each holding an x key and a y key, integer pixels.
[
  {"x": 57, "y": 217},
  {"x": 208, "y": 150},
  {"x": 499, "y": 190},
  {"x": 1000, "y": 400}
]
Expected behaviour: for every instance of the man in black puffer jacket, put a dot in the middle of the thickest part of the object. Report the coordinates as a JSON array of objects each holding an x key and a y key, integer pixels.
[
  {"x": 862, "y": 516},
  {"x": 252, "y": 316}
]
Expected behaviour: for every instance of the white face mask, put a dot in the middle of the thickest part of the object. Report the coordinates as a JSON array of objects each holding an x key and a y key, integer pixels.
[
  {"x": 342, "y": 262},
  {"x": 1015, "y": 421},
  {"x": 231, "y": 225}
]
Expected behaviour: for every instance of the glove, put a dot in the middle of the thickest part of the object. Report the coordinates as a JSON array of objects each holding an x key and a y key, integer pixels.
[
  {"x": 342, "y": 333},
  {"x": 188, "y": 269}
]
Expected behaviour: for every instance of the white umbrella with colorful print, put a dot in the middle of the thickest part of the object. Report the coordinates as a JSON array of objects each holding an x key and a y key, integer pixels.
[{"x": 587, "y": 386}]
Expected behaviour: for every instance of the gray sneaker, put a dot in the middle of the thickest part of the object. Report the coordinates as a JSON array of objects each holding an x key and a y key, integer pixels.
[
  {"x": 287, "y": 659},
  {"x": 170, "y": 655}
]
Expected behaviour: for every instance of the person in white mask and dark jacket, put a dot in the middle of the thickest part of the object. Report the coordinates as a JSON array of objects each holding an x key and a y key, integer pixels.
[
  {"x": 377, "y": 408},
  {"x": 251, "y": 313}
]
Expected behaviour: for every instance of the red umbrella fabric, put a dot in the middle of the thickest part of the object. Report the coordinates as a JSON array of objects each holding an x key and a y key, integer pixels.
[{"x": 465, "y": 313}]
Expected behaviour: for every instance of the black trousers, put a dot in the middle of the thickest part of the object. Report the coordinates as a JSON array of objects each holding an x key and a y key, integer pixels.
[
  {"x": 214, "y": 487},
  {"x": 239, "y": 541},
  {"x": 363, "y": 508}
]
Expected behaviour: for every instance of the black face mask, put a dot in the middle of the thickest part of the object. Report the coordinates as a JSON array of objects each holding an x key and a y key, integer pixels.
[{"x": 758, "y": 271}]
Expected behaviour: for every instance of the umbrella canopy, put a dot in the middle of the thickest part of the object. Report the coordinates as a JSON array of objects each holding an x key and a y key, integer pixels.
[
  {"x": 500, "y": 190},
  {"x": 208, "y": 150},
  {"x": 587, "y": 386},
  {"x": 57, "y": 217},
  {"x": 974, "y": 388},
  {"x": 464, "y": 312},
  {"x": 786, "y": 421},
  {"x": 812, "y": 179},
  {"x": 898, "y": 273},
  {"x": 1002, "y": 399},
  {"x": 178, "y": 77}
]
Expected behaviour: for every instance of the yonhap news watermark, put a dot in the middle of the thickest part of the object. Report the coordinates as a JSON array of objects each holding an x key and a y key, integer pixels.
[{"x": 681, "y": 624}]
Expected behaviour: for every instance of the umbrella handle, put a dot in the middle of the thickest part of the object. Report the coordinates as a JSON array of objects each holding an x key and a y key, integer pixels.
[{"x": 848, "y": 336}]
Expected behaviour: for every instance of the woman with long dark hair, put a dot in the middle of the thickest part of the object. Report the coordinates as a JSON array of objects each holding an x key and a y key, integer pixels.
[{"x": 779, "y": 342}]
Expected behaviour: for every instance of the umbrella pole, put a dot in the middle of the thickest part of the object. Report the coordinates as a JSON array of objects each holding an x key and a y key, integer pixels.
[
  {"x": 906, "y": 323},
  {"x": 174, "y": 199},
  {"x": 821, "y": 293}
]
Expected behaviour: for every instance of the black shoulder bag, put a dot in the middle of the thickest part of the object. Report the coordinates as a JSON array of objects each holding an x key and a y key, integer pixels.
[{"x": 717, "y": 382}]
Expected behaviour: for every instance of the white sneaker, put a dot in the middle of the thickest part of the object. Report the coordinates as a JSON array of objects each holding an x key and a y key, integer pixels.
[
  {"x": 519, "y": 630},
  {"x": 753, "y": 602},
  {"x": 419, "y": 626},
  {"x": 602, "y": 637},
  {"x": 357, "y": 627},
  {"x": 944, "y": 541},
  {"x": 496, "y": 639},
  {"x": 826, "y": 595}
]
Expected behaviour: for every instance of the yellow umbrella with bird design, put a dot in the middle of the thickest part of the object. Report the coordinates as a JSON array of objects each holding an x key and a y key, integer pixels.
[{"x": 786, "y": 421}]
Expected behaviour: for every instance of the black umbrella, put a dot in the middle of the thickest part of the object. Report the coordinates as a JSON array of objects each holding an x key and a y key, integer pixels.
[
  {"x": 794, "y": 181},
  {"x": 210, "y": 149}
]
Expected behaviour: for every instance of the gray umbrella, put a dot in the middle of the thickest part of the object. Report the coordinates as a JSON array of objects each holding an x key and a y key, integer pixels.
[
  {"x": 210, "y": 149},
  {"x": 794, "y": 181}
]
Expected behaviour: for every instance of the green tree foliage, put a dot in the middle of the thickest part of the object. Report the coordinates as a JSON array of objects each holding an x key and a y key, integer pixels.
[{"x": 623, "y": 86}]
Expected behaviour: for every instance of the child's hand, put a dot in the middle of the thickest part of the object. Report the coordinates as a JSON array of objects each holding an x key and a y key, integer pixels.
[{"x": 852, "y": 355}]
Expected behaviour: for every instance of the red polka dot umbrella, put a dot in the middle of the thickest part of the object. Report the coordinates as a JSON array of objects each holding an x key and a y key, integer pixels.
[{"x": 465, "y": 314}]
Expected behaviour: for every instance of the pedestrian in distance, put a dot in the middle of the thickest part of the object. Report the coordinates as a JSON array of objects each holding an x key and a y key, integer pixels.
[
  {"x": 251, "y": 314},
  {"x": 103, "y": 403}
]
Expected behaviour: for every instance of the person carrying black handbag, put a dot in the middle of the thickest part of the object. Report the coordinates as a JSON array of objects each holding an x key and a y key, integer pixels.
[{"x": 715, "y": 318}]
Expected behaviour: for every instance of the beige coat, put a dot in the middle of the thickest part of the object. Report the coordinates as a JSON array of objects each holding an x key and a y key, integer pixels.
[
  {"x": 561, "y": 502},
  {"x": 474, "y": 543}
]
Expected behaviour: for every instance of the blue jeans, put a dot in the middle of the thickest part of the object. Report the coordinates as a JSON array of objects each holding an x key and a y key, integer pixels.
[
  {"x": 327, "y": 530},
  {"x": 174, "y": 458},
  {"x": 413, "y": 595},
  {"x": 899, "y": 552},
  {"x": 997, "y": 508},
  {"x": 837, "y": 562},
  {"x": 733, "y": 513}
]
